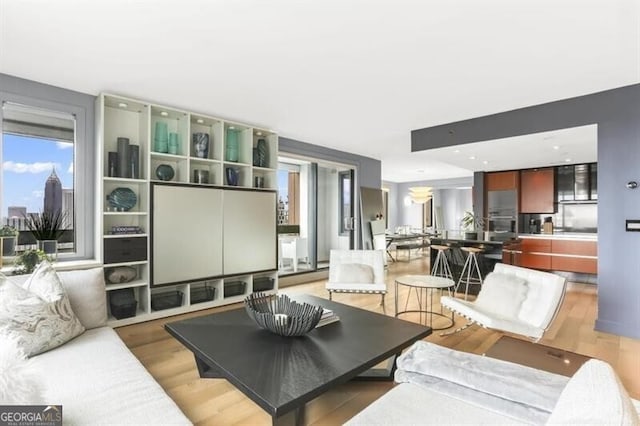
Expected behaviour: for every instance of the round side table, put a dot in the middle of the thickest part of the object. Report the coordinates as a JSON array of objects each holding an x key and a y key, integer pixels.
[{"x": 424, "y": 286}]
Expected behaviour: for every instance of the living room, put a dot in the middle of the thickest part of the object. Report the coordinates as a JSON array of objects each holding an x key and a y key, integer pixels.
[{"x": 387, "y": 90}]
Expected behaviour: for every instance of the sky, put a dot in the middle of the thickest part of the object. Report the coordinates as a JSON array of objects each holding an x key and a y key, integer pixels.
[{"x": 26, "y": 165}]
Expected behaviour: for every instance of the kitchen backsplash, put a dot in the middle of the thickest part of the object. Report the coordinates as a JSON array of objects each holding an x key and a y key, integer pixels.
[{"x": 569, "y": 218}]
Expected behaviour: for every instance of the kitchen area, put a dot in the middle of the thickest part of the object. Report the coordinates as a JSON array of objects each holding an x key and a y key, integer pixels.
[{"x": 540, "y": 218}]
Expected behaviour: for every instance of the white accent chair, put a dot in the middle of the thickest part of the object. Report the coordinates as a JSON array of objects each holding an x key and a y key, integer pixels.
[
  {"x": 513, "y": 299},
  {"x": 357, "y": 271},
  {"x": 295, "y": 250}
]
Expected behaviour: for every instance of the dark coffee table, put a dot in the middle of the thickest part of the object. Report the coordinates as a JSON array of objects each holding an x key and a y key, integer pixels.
[{"x": 281, "y": 374}]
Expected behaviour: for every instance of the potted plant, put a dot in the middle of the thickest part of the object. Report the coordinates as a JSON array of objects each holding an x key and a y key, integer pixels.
[
  {"x": 9, "y": 237},
  {"x": 471, "y": 224},
  {"x": 46, "y": 227},
  {"x": 27, "y": 261}
]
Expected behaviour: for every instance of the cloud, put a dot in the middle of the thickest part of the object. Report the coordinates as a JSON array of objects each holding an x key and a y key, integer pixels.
[
  {"x": 38, "y": 193},
  {"x": 10, "y": 166},
  {"x": 64, "y": 145},
  {"x": 70, "y": 169}
]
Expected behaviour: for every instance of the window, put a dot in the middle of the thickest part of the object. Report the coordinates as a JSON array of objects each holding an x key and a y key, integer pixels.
[
  {"x": 37, "y": 171},
  {"x": 47, "y": 160},
  {"x": 346, "y": 213}
]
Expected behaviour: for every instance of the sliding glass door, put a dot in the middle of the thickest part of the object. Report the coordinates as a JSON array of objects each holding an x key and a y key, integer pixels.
[{"x": 315, "y": 214}]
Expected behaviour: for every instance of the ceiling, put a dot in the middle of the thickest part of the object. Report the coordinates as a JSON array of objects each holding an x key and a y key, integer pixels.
[{"x": 355, "y": 75}]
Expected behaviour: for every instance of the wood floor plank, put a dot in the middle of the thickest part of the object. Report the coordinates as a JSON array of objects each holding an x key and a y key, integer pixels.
[{"x": 216, "y": 402}]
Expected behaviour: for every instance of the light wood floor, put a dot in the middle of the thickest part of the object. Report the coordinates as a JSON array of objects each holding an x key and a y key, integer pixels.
[{"x": 216, "y": 402}]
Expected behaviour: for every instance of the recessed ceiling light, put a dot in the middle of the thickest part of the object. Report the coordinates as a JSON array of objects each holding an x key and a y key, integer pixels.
[
  {"x": 123, "y": 105},
  {"x": 473, "y": 157},
  {"x": 485, "y": 162},
  {"x": 259, "y": 133},
  {"x": 456, "y": 151},
  {"x": 420, "y": 170},
  {"x": 567, "y": 160},
  {"x": 164, "y": 113},
  {"x": 556, "y": 147},
  {"x": 199, "y": 121},
  {"x": 232, "y": 127}
]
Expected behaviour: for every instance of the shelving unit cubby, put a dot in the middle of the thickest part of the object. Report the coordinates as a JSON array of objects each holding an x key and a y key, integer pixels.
[{"x": 123, "y": 117}]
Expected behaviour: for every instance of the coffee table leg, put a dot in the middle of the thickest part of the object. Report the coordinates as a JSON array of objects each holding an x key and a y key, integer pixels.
[
  {"x": 292, "y": 418},
  {"x": 379, "y": 374},
  {"x": 206, "y": 371}
]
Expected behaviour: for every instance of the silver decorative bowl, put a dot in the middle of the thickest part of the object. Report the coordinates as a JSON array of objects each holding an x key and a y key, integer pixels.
[{"x": 281, "y": 315}]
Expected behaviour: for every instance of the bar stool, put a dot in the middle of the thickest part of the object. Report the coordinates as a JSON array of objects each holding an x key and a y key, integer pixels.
[
  {"x": 471, "y": 268},
  {"x": 441, "y": 264}
]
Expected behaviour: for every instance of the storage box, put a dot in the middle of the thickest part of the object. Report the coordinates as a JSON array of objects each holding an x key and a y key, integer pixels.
[
  {"x": 202, "y": 294},
  {"x": 263, "y": 284},
  {"x": 166, "y": 300},
  {"x": 123, "y": 303},
  {"x": 234, "y": 288}
]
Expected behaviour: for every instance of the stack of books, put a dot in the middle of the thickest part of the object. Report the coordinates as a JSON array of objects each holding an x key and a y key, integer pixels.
[
  {"x": 126, "y": 229},
  {"x": 328, "y": 316}
]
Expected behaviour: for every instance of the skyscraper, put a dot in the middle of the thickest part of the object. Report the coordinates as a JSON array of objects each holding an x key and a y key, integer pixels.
[
  {"x": 16, "y": 211},
  {"x": 67, "y": 208},
  {"x": 53, "y": 194}
]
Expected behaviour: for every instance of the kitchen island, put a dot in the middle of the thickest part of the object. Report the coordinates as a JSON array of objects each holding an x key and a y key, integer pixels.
[{"x": 491, "y": 254}]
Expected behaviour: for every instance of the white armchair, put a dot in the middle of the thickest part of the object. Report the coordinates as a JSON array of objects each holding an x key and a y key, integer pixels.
[
  {"x": 357, "y": 271},
  {"x": 513, "y": 299}
]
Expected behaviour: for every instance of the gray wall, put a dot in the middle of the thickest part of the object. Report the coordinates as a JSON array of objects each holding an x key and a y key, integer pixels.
[
  {"x": 369, "y": 172},
  {"x": 392, "y": 220},
  {"x": 617, "y": 114}
]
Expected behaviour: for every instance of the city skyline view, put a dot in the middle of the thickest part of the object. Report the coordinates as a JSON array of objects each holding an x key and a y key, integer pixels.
[{"x": 26, "y": 164}]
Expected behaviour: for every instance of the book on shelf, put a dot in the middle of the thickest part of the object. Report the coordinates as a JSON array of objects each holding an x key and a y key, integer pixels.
[
  {"x": 126, "y": 229},
  {"x": 328, "y": 316}
]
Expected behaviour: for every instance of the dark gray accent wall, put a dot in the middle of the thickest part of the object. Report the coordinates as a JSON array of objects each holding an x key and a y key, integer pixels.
[
  {"x": 82, "y": 106},
  {"x": 617, "y": 114},
  {"x": 369, "y": 170}
]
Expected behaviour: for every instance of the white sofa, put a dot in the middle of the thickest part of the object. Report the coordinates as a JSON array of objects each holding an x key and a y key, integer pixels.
[
  {"x": 442, "y": 386},
  {"x": 95, "y": 377}
]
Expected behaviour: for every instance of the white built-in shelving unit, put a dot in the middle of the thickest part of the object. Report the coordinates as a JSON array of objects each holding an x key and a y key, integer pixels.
[{"x": 119, "y": 116}]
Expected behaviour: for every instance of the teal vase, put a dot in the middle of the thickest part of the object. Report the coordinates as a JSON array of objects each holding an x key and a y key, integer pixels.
[{"x": 232, "y": 145}]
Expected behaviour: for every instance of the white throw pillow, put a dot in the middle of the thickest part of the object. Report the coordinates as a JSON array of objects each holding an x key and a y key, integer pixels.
[
  {"x": 594, "y": 395},
  {"x": 19, "y": 382},
  {"x": 86, "y": 291},
  {"x": 502, "y": 294},
  {"x": 355, "y": 273},
  {"x": 39, "y": 316}
]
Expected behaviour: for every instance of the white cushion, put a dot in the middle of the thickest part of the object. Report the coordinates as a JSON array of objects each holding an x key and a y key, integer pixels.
[
  {"x": 98, "y": 380},
  {"x": 410, "y": 404},
  {"x": 19, "y": 382},
  {"x": 594, "y": 395},
  {"x": 357, "y": 273},
  {"x": 39, "y": 315},
  {"x": 502, "y": 294},
  {"x": 490, "y": 319},
  {"x": 86, "y": 291},
  {"x": 373, "y": 258}
]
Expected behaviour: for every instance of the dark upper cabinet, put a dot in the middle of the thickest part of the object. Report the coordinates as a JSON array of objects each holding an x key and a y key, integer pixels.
[
  {"x": 577, "y": 182},
  {"x": 537, "y": 191},
  {"x": 565, "y": 183},
  {"x": 593, "y": 168}
]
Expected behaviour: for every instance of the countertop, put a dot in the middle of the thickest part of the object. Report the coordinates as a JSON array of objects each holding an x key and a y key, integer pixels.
[{"x": 562, "y": 236}]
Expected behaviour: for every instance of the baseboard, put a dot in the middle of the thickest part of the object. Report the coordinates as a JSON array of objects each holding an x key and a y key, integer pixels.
[
  {"x": 289, "y": 280},
  {"x": 617, "y": 328}
]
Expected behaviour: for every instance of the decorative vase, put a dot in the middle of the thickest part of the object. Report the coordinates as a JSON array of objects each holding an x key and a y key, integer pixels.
[
  {"x": 256, "y": 160},
  {"x": 134, "y": 161},
  {"x": 165, "y": 172},
  {"x": 200, "y": 176},
  {"x": 201, "y": 145},
  {"x": 123, "y": 157},
  {"x": 232, "y": 176},
  {"x": 174, "y": 143},
  {"x": 112, "y": 165},
  {"x": 262, "y": 153},
  {"x": 122, "y": 199},
  {"x": 50, "y": 247},
  {"x": 232, "y": 145},
  {"x": 161, "y": 137}
]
